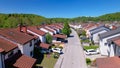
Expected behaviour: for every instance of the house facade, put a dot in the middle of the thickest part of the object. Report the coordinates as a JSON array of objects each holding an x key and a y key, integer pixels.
[
  {"x": 24, "y": 41},
  {"x": 104, "y": 47},
  {"x": 37, "y": 32},
  {"x": 96, "y": 31}
]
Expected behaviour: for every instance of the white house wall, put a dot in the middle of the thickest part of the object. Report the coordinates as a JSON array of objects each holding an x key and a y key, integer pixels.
[
  {"x": 112, "y": 51},
  {"x": 27, "y": 48},
  {"x": 104, "y": 48},
  {"x": 96, "y": 37}
]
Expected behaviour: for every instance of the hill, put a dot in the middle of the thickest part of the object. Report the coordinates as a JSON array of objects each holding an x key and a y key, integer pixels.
[{"x": 12, "y": 20}]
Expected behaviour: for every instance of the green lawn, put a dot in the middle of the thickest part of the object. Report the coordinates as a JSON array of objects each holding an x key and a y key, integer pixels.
[
  {"x": 47, "y": 62},
  {"x": 91, "y": 47}
]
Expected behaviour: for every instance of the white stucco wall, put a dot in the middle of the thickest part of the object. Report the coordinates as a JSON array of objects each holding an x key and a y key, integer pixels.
[
  {"x": 112, "y": 50},
  {"x": 104, "y": 48},
  {"x": 27, "y": 48},
  {"x": 96, "y": 37}
]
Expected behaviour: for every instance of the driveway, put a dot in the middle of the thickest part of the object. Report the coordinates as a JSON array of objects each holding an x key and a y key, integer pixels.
[{"x": 73, "y": 56}]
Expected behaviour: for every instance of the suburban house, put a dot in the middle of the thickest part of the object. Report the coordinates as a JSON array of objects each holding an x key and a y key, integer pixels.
[
  {"x": 51, "y": 32},
  {"x": 89, "y": 27},
  {"x": 44, "y": 47},
  {"x": 114, "y": 46},
  {"x": 96, "y": 31},
  {"x": 37, "y": 32},
  {"x": 52, "y": 28},
  {"x": 24, "y": 41},
  {"x": 11, "y": 57},
  {"x": 109, "y": 62},
  {"x": 59, "y": 38},
  {"x": 75, "y": 26},
  {"x": 104, "y": 47}
]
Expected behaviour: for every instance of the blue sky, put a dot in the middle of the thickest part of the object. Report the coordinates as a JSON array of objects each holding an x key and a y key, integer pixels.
[{"x": 60, "y": 8}]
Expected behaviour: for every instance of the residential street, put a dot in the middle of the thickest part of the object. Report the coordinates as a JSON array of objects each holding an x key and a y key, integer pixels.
[{"x": 73, "y": 56}]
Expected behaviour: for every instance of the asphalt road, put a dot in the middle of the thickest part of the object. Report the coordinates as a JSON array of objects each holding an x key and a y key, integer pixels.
[{"x": 73, "y": 56}]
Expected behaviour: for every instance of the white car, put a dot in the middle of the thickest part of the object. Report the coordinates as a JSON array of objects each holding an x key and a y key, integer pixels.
[
  {"x": 91, "y": 52},
  {"x": 58, "y": 50}
]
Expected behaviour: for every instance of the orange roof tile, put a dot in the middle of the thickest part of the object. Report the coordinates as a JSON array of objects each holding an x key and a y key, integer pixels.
[
  {"x": 40, "y": 32},
  {"x": 24, "y": 62},
  {"x": 59, "y": 36},
  {"x": 16, "y": 36},
  {"x": 110, "y": 62},
  {"x": 6, "y": 45},
  {"x": 44, "y": 45}
]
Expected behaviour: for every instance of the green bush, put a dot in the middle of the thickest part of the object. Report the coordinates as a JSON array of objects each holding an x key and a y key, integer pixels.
[
  {"x": 88, "y": 61},
  {"x": 56, "y": 55},
  {"x": 85, "y": 41},
  {"x": 91, "y": 47}
]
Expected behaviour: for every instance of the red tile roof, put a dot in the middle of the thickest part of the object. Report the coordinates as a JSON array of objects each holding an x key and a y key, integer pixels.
[
  {"x": 24, "y": 62},
  {"x": 60, "y": 36},
  {"x": 40, "y": 32},
  {"x": 44, "y": 45},
  {"x": 1, "y": 50},
  {"x": 48, "y": 29},
  {"x": 16, "y": 36},
  {"x": 110, "y": 62},
  {"x": 6, "y": 45}
]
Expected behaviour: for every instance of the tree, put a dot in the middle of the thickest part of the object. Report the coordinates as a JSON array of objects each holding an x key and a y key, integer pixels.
[
  {"x": 66, "y": 30},
  {"x": 48, "y": 38}
]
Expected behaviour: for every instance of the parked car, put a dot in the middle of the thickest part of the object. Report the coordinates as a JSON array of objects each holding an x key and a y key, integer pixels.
[
  {"x": 91, "y": 51},
  {"x": 58, "y": 50}
]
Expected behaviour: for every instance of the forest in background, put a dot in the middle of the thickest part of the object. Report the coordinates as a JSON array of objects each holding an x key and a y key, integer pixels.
[{"x": 12, "y": 20}]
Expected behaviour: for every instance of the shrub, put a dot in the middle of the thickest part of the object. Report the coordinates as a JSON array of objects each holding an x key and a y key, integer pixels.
[
  {"x": 88, "y": 61},
  {"x": 56, "y": 55}
]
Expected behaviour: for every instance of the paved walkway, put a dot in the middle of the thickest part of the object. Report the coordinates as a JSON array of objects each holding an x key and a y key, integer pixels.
[{"x": 73, "y": 56}]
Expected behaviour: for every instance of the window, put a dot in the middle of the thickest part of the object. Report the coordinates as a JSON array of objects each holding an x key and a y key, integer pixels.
[
  {"x": 30, "y": 43},
  {"x": 31, "y": 53},
  {"x": 105, "y": 43},
  {"x": 10, "y": 54}
]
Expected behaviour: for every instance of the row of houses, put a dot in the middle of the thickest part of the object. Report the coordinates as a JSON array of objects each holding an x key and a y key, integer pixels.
[
  {"x": 17, "y": 44},
  {"x": 108, "y": 38}
]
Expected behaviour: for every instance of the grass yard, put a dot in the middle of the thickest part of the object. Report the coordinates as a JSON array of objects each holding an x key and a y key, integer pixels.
[
  {"x": 91, "y": 47},
  {"x": 47, "y": 62}
]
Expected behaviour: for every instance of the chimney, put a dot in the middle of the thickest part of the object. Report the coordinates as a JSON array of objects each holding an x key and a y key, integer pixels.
[
  {"x": 24, "y": 29},
  {"x": 20, "y": 27}
]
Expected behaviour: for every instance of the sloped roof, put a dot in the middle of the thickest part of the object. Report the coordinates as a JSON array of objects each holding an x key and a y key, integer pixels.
[
  {"x": 33, "y": 29},
  {"x": 1, "y": 50},
  {"x": 6, "y": 45},
  {"x": 110, "y": 33},
  {"x": 110, "y": 62},
  {"x": 44, "y": 45},
  {"x": 59, "y": 36},
  {"x": 24, "y": 62},
  {"x": 98, "y": 29},
  {"x": 16, "y": 36}
]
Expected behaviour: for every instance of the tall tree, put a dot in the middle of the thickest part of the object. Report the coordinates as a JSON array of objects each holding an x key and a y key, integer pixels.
[
  {"x": 66, "y": 30},
  {"x": 48, "y": 38}
]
